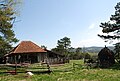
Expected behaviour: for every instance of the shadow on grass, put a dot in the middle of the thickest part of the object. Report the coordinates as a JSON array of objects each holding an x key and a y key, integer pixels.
[
  {"x": 34, "y": 72},
  {"x": 116, "y": 66}
]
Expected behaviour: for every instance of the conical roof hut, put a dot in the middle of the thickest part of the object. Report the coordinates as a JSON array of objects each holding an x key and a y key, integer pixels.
[{"x": 106, "y": 57}]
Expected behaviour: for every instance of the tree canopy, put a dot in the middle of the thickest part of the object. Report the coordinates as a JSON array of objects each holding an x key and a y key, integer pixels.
[
  {"x": 112, "y": 26},
  {"x": 7, "y": 18},
  {"x": 63, "y": 45}
]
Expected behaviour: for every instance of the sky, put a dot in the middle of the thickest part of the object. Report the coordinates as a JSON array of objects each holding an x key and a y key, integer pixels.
[{"x": 44, "y": 22}]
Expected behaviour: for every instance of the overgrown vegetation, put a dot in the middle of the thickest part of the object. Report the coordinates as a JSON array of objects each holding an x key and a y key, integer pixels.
[{"x": 68, "y": 73}]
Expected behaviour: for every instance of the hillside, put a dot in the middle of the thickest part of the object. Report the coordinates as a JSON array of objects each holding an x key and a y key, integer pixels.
[{"x": 95, "y": 49}]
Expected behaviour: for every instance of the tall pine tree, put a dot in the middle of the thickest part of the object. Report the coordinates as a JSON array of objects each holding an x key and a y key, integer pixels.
[
  {"x": 113, "y": 26},
  {"x": 62, "y": 46}
]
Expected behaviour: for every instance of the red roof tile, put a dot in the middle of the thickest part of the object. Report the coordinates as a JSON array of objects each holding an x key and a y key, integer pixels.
[{"x": 27, "y": 47}]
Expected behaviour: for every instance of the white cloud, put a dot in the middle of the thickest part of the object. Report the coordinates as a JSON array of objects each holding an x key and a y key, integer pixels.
[
  {"x": 92, "y": 42},
  {"x": 112, "y": 22},
  {"x": 96, "y": 41},
  {"x": 90, "y": 38},
  {"x": 91, "y": 26}
]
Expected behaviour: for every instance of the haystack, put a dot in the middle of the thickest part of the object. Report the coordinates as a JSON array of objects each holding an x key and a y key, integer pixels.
[{"x": 106, "y": 57}]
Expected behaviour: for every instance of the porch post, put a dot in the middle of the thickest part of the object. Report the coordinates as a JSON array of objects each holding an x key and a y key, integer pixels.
[{"x": 15, "y": 65}]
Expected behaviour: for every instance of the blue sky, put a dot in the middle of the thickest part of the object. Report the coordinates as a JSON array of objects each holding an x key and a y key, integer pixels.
[{"x": 46, "y": 21}]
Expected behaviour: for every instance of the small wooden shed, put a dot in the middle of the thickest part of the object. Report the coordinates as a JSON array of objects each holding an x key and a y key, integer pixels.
[
  {"x": 55, "y": 58},
  {"x": 106, "y": 57}
]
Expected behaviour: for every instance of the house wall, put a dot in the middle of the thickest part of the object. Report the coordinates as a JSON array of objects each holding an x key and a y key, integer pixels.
[
  {"x": 42, "y": 57},
  {"x": 31, "y": 58},
  {"x": 50, "y": 58},
  {"x": 55, "y": 58}
]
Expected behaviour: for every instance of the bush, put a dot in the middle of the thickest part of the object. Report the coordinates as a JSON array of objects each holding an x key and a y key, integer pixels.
[{"x": 87, "y": 56}]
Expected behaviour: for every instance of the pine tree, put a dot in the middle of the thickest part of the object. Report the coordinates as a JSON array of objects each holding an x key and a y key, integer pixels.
[
  {"x": 63, "y": 46},
  {"x": 113, "y": 26}
]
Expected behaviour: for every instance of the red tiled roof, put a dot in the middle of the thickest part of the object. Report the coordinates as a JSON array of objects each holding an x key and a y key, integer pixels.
[{"x": 27, "y": 47}]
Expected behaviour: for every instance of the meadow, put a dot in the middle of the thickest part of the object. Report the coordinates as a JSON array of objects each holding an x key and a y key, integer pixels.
[{"x": 67, "y": 72}]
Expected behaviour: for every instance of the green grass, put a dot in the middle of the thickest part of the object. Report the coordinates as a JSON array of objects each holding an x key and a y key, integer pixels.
[{"x": 68, "y": 73}]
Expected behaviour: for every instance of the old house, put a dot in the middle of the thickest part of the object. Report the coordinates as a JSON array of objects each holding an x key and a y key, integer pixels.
[{"x": 28, "y": 51}]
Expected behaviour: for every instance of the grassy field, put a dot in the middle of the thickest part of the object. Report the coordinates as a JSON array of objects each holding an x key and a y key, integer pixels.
[{"x": 66, "y": 72}]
